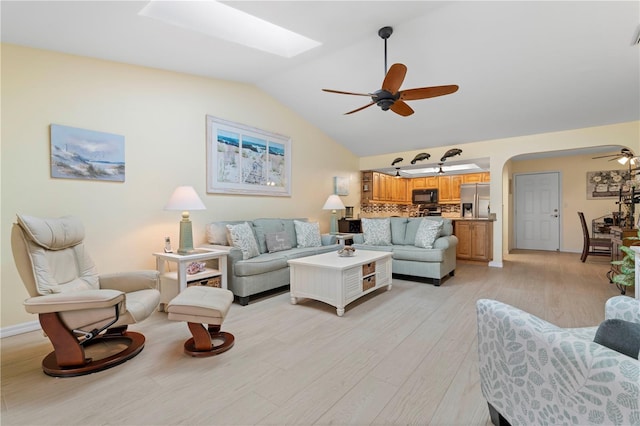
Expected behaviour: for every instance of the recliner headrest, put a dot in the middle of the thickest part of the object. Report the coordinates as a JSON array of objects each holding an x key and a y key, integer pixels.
[{"x": 53, "y": 233}]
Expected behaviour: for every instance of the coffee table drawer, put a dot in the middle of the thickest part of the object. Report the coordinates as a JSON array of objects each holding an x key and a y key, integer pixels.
[
  {"x": 368, "y": 282},
  {"x": 368, "y": 268}
]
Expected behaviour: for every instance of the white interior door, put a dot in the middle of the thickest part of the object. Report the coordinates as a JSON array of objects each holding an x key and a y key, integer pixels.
[{"x": 537, "y": 211}]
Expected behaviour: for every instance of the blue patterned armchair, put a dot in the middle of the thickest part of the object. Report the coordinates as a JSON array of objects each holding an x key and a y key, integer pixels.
[{"x": 533, "y": 372}]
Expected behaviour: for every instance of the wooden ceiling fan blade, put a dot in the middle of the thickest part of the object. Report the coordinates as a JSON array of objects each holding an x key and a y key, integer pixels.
[
  {"x": 605, "y": 156},
  {"x": 340, "y": 92},
  {"x": 401, "y": 108},
  {"x": 394, "y": 78},
  {"x": 359, "y": 109},
  {"x": 427, "y": 92}
]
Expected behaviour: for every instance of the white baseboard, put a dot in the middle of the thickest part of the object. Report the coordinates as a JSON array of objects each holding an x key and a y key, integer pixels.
[
  {"x": 25, "y": 327},
  {"x": 496, "y": 264}
]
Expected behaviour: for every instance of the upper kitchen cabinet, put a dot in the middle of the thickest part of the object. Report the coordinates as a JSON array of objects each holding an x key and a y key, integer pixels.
[
  {"x": 449, "y": 189},
  {"x": 427, "y": 182},
  {"x": 476, "y": 177},
  {"x": 380, "y": 187}
]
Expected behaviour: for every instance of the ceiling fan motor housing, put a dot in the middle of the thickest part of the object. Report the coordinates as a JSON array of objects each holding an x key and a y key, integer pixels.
[{"x": 384, "y": 99}]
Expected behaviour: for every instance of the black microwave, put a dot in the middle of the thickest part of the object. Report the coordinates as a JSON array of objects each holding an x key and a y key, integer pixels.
[{"x": 424, "y": 196}]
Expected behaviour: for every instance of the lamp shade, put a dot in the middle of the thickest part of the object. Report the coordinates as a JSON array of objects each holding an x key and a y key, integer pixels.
[
  {"x": 333, "y": 203},
  {"x": 184, "y": 198}
]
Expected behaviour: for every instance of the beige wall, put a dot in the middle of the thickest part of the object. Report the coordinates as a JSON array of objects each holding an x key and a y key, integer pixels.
[
  {"x": 162, "y": 116},
  {"x": 501, "y": 151},
  {"x": 573, "y": 170}
]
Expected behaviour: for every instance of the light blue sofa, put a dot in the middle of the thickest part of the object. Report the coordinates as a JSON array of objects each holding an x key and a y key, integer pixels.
[
  {"x": 268, "y": 271},
  {"x": 412, "y": 261}
]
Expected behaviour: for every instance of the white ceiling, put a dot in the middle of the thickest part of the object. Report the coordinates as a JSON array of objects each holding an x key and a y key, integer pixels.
[{"x": 522, "y": 67}]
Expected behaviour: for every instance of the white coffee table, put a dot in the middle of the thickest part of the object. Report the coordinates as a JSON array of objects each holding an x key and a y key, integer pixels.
[{"x": 337, "y": 280}]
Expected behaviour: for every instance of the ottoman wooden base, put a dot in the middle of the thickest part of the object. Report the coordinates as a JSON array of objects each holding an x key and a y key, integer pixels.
[
  {"x": 200, "y": 305},
  {"x": 202, "y": 342}
]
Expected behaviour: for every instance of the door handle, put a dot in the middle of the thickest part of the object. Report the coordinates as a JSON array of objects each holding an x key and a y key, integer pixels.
[{"x": 554, "y": 215}]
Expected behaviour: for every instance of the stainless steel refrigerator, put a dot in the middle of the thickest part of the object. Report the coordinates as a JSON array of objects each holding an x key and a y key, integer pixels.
[{"x": 474, "y": 200}]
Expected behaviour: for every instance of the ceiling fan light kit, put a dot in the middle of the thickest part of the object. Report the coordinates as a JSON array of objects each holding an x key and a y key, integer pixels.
[{"x": 390, "y": 97}]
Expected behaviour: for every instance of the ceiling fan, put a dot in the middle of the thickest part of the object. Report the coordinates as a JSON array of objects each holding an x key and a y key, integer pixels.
[
  {"x": 390, "y": 97},
  {"x": 622, "y": 158}
]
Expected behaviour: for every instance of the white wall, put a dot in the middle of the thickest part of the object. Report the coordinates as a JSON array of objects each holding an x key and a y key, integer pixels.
[{"x": 162, "y": 116}]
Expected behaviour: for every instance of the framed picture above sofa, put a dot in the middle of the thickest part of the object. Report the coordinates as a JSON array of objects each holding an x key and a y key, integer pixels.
[{"x": 246, "y": 160}]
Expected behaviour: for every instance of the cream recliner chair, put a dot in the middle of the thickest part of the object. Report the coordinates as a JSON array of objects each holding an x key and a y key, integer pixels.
[{"x": 77, "y": 307}]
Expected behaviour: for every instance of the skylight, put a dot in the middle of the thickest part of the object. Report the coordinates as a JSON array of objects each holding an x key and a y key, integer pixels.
[{"x": 218, "y": 20}]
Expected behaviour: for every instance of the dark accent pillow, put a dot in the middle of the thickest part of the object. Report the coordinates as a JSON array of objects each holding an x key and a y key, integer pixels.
[
  {"x": 277, "y": 241},
  {"x": 621, "y": 336}
]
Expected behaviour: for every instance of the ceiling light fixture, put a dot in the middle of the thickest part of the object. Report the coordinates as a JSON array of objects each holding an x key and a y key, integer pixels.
[{"x": 218, "y": 20}]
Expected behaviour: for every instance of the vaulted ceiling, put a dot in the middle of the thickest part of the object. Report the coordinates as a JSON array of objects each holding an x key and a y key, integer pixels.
[{"x": 522, "y": 67}]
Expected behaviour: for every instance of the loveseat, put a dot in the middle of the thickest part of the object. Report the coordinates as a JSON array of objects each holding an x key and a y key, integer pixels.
[
  {"x": 535, "y": 373},
  {"x": 254, "y": 269},
  {"x": 421, "y": 247}
]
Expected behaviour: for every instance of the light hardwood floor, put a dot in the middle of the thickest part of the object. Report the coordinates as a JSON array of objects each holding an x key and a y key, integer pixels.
[{"x": 405, "y": 356}]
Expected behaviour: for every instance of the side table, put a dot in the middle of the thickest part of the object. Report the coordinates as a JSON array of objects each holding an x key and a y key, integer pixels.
[
  {"x": 173, "y": 282},
  {"x": 343, "y": 237}
]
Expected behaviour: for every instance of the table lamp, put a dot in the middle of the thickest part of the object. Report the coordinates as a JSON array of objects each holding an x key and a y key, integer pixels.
[
  {"x": 333, "y": 203},
  {"x": 185, "y": 198}
]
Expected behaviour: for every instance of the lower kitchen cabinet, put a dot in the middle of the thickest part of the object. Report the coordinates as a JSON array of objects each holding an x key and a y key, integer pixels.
[{"x": 475, "y": 239}]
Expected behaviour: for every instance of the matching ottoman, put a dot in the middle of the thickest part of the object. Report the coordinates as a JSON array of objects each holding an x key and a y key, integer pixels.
[{"x": 199, "y": 305}]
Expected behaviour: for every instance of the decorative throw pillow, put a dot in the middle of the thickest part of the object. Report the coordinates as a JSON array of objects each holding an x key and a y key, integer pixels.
[
  {"x": 242, "y": 237},
  {"x": 621, "y": 336},
  {"x": 278, "y": 241},
  {"x": 307, "y": 234},
  {"x": 427, "y": 233},
  {"x": 377, "y": 232}
]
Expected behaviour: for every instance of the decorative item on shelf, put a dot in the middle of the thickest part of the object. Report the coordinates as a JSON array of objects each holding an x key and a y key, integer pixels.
[
  {"x": 333, "y": 203},
  {"x": 420, "y": 157},
  {"x": 195, "y": 267},
  {"x": 451, "y": 153},
  {"x": 185, "y": 198},
  {"x": 347, "y": 251}
]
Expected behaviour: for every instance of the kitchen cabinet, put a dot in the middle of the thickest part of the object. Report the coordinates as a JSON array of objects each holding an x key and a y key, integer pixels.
[
  {"x": 380, "y": 187},
  {"x": 475, "y": 239},
  {"x": 476, "y": 177},
  {"x": 449, "y": 189},
  {"x": 424, "y": 182}
]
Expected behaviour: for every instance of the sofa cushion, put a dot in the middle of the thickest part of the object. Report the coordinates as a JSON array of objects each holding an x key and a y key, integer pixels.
[
  {"x": 417, "y": 254},
  {"x": 398, "y": 229},
  {"x": 409, "y": 237},
  {"x": 376, "y": 232},
  {"x": 262, "y": 264},
  {"x": 242, "y": 237},
  {"x": 427, "y": 233},
  {"x": 262, "y": 227},
  {"x": 217, "y": 232},
  {"x": 278, "y": 241},
  {"x": 372, "y": 248},
  {"x": 621, "y": 336},
  {"x": 307, "y": 234}
]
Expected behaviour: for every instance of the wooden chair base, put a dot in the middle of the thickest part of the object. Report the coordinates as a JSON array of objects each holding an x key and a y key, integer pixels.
[
  {"x": 134, "y": 347},
  {"x": 201, "y": 344}
]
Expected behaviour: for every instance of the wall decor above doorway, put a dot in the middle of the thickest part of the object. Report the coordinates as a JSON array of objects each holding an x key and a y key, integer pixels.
[{"x": 247, "y": 161}]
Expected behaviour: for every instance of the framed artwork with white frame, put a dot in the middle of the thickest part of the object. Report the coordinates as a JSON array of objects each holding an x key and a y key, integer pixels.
[{"x": 246, "y": 160}]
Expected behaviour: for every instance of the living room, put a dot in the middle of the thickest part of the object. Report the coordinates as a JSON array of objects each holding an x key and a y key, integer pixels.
[{"x": 162, "y": 115}]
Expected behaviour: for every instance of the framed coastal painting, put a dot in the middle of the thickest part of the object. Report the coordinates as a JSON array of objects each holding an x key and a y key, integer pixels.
[
  {"x": 246, "y": 160},
  {"x": 86, "y": 154},
  {"x": 608, "y": 184},
  {"x": 340, "y": 185}
]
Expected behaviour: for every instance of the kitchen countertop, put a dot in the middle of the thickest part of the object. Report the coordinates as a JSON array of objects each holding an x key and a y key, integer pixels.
[{"x": 481, "y": 219}]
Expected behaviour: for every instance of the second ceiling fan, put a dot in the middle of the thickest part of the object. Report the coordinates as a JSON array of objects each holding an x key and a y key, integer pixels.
[{"x": 390, "y": 97}]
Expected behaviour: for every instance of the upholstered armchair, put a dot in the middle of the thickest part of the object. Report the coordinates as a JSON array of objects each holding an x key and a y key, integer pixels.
[
  {"x": 78, "y": 308},
  {"x": 533, "y": 372}
]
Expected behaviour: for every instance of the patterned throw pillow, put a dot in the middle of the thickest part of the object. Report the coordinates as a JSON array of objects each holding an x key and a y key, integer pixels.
[
  {"x": 277, "y": 241},
  {"x": 242, "y": 237},
  {"x": 427, "y": 233},
  {"x": 377, "y": 232},
  {"x": 307, "y": 234}
]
